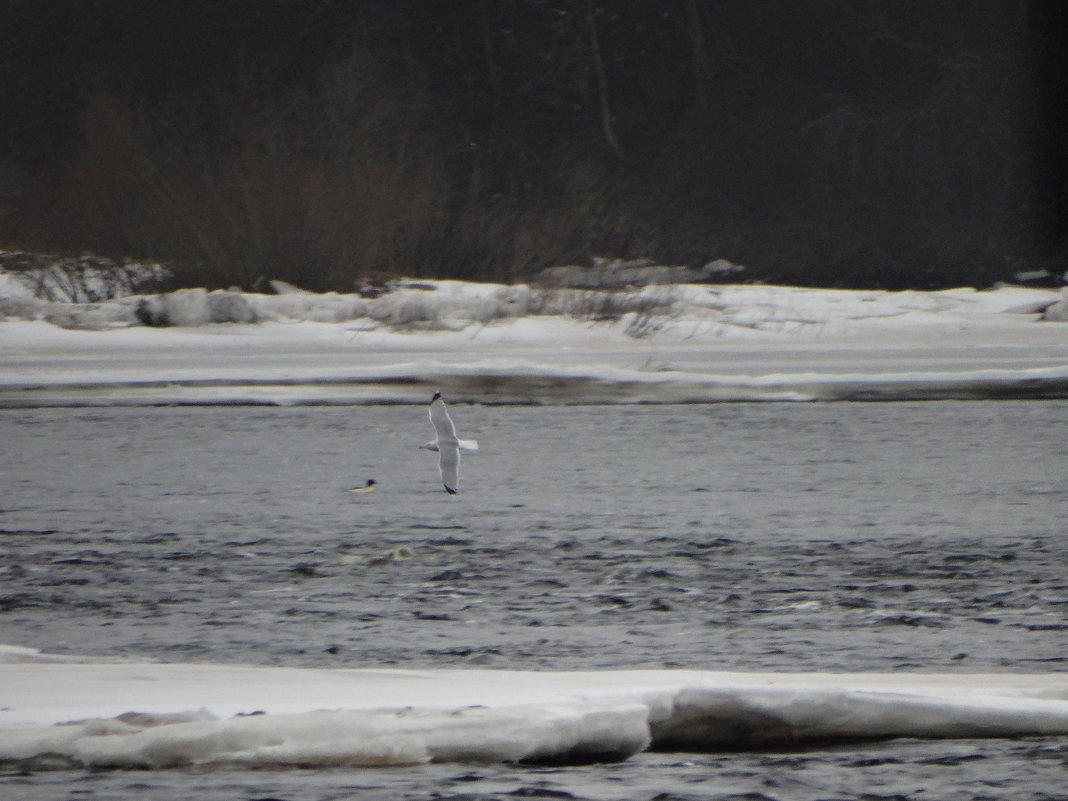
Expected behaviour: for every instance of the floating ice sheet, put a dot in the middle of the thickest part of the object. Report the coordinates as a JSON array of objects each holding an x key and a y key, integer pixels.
[{"x": 67, "y": 713}]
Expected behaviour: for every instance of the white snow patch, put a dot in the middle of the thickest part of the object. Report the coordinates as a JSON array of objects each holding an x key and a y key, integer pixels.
[
  {"x": 499, "y": 343},
  {"x": 144, "y": 715}
]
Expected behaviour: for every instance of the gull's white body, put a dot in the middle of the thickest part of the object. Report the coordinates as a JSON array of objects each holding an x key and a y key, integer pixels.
[{"x": 447, "y": 444}]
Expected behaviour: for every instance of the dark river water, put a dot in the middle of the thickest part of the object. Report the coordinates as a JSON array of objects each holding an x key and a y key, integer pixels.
[{"x": 923, "y": 537}]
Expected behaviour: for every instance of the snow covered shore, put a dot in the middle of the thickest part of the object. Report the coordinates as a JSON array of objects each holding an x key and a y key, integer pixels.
[
  {"x": 61, "y": 712},
  {"x": 517, "y": 344}
]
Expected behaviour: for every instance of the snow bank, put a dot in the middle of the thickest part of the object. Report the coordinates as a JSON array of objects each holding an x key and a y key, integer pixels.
[
  {"x": 680, "y": 309},
  {"x": 492, "y": 343},
  {"x": 64, "y": 713}
]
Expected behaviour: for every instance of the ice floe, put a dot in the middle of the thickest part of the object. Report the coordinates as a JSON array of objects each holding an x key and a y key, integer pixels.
[{"x": 63, "y": 712}]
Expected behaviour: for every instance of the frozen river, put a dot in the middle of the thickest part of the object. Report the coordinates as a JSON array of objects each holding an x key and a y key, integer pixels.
[{"x": 772, "y": 537}]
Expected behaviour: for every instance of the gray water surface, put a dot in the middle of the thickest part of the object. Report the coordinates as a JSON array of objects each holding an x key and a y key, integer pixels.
[{"x": 781, "y": 537}]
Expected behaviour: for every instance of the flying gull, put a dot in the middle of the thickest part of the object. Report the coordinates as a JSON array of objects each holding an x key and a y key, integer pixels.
[{"x": 446, "y": 444}]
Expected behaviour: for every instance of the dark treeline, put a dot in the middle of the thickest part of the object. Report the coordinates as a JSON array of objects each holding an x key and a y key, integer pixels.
[{"x": 855, "y": 143}]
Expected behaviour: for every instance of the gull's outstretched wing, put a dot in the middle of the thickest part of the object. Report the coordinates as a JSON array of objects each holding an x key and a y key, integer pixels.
[
  {"x": 448, "y": 444},
  {"x": 449, "y": 467}
]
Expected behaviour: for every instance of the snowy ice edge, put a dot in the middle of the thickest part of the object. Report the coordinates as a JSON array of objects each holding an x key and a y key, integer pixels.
[
  {"x": 487, "y": 343},
  {"x": 527, "y": 386},
  {"x": 155, "y": 716}
]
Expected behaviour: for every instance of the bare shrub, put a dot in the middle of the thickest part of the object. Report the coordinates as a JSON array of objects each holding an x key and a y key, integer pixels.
[
  {"x": 509, "y": 230},
  {"x": 84, "y": 279},
  {"x": 324, "y": 186},
  {"x": 645, "y": 312},
  {"x": 341, "y": 182}
]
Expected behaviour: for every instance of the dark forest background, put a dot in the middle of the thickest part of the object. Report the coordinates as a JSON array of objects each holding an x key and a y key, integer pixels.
[{"x": 863, "y": 143}]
